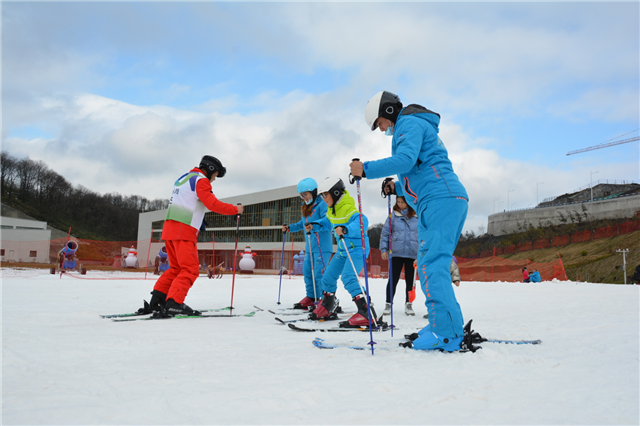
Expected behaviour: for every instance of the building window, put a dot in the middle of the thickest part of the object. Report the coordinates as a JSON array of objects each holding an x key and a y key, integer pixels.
[
  {"x": 6, "y": 227},
  {"x": 1, "y": 252},
  {"x": 278, "y": 212},
  {"x": 33, "y": 253}
]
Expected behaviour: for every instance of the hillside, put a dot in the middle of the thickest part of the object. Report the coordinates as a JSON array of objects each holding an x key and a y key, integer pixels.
[
  {"x": 594, "y": 261},
  {"x": 38, "y": 192}
]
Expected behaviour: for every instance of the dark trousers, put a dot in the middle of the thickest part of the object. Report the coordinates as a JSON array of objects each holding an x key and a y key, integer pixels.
[{"x": 409, "y": 273}]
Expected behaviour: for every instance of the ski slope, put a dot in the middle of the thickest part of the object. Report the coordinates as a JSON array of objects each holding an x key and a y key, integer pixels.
[{"x": 64, "y": 364}]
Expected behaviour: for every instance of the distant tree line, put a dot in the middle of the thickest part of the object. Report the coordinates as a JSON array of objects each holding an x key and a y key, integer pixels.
[{"x": 36, "y": 190}]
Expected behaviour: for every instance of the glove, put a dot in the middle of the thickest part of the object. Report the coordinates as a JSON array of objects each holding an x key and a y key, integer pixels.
[{"x": 387, "y": 190}]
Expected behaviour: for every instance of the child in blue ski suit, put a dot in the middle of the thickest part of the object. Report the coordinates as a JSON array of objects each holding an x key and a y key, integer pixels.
[
  {"x": 318, "y": 243},
  {"x": 343, "y": 218},
  {"x": 433, "y": 190}
]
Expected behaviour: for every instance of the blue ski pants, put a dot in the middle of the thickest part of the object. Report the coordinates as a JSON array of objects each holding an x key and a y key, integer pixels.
[
  {"x": 439, "y": 229},
  {"x": 319, "y": 266},
  {"x": 340, "y": 267}
]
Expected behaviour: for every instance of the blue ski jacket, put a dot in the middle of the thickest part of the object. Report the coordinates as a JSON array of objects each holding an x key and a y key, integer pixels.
[
  {"x": 534, "y": 277},
  {"x": 420, "y": 159},
  {"x": 318, "y": 212},
  {"x": 405, "y": 235}
]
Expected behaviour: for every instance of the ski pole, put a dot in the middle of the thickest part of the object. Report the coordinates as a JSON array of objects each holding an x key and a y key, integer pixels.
[
  {"x": 235, "y": 260},
  {"x": 313, "y": 274},
  {"x": 364, "y": 252},
  {"x": 284, "y": 237},
  {"x": 344, "y": 244},
  {"x": 320, "y": 251},
  {"x": 391, "y": 285}
]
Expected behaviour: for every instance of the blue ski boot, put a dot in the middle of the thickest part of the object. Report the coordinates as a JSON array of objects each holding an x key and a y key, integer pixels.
[{"x": 428, "y": 340}]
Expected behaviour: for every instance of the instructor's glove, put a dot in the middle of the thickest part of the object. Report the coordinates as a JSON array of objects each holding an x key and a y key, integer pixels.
[{"x": 388, "y": 189}]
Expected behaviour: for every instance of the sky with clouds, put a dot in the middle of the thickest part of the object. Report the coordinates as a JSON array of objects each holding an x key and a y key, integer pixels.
[{"x": 125, "y": 97}]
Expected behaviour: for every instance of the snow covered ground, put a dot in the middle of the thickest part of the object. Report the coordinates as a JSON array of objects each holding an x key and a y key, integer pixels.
[{"x": 63, "y": 364}]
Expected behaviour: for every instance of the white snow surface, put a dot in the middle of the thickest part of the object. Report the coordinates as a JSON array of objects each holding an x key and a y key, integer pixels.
[{"x": 64, "y": 364}]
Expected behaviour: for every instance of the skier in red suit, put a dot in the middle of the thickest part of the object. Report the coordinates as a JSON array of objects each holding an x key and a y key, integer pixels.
[{"x": 192, "y": 195}]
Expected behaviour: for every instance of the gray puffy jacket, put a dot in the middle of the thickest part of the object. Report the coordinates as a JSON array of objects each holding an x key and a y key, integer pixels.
[{"x": 405, "y": 235}]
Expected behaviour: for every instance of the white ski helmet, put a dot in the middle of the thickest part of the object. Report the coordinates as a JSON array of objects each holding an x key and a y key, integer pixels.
[
  {"x": 334, "y": 186},
  {"x": 383, "y": 104}
]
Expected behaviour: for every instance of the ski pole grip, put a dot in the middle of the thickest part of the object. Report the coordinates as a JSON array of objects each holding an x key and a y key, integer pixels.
[{"x": 355, "y": 178}]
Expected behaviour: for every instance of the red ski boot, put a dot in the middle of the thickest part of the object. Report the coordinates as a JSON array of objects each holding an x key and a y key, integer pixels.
[
  {"x": 305, "y": 304},
  {"x": 360, "y": 318},
  {"x": 325, "y": 310}
]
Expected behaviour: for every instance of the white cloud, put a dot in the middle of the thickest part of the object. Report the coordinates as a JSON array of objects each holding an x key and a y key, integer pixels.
[{"x": 472, "y": 61}]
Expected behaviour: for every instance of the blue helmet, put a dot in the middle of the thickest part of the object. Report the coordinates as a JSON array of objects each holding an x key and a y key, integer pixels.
[{"x": 308, "y": 185}]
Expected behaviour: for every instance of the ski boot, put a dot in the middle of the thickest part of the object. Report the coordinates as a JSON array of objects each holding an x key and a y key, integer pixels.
[
  {"x": 158, "y": 299},
  {"x": 172, "y": 308},
  {"x": 305, "y": 304},
  {"x": 360, "y": 318},
  {"x": 327, "y": 309},
  {"x": 428, "y": 340}
]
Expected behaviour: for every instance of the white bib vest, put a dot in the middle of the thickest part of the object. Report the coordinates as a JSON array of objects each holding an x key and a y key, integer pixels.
[{"x": 185, "y": 206}]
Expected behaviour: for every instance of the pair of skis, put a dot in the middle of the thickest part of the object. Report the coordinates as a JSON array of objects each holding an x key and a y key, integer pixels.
[
  {"x": 469, "y": 341},
  {"x": 135, "y": 316}
]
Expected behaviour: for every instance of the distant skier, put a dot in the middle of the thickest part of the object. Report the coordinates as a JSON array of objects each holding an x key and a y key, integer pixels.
[
  {"x": 636, "y": 274},
  {"x": 433, "y": 190},
  {"x": 534, "y": 277},
  {"x": 343, "y": 218},
  {"x": 161, "y": 263},
  {"x": 313, "y": 210},
  {"x": 455, "y": 271},
  {"x": 192, "y": 193}
]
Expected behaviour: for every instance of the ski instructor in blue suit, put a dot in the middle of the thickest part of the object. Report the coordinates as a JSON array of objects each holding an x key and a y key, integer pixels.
[{"x": 430, "y": 186}]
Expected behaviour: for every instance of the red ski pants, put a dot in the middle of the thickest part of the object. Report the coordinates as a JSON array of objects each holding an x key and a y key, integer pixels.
[{"x": 183, "y": 270}]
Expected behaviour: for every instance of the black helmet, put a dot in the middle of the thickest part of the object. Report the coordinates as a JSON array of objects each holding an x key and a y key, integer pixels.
[{"x": 210, "y": 164}]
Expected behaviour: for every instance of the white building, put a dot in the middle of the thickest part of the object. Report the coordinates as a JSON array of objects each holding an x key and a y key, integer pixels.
[{"x": 24, "y": 240}]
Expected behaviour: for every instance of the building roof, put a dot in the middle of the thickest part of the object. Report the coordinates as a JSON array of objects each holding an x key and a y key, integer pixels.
[{"x": 263, "y": 196}]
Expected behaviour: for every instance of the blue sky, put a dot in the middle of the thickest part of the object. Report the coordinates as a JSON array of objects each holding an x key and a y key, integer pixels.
[{"x": 123, "y": 97}]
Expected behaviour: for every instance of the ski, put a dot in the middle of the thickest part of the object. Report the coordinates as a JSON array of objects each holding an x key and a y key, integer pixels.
[
  {"x": 281, "y": 321},
  {"x": 388, "y": 344},
  {"x": 385, "y": 344},
  {"x": 296, "y": 312},
  {"x": 135, "y": 314},
  {"x": 250, "y": 314},
  {"x": 383, "y": 327},
  {"x": 289, "y": 313},
  {"x": 513, "y": 342},
  {"x": 285, "y": 311}
]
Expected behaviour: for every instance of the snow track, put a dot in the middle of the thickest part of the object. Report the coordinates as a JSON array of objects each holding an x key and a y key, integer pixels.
[{"x": 63, "y": 364}]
